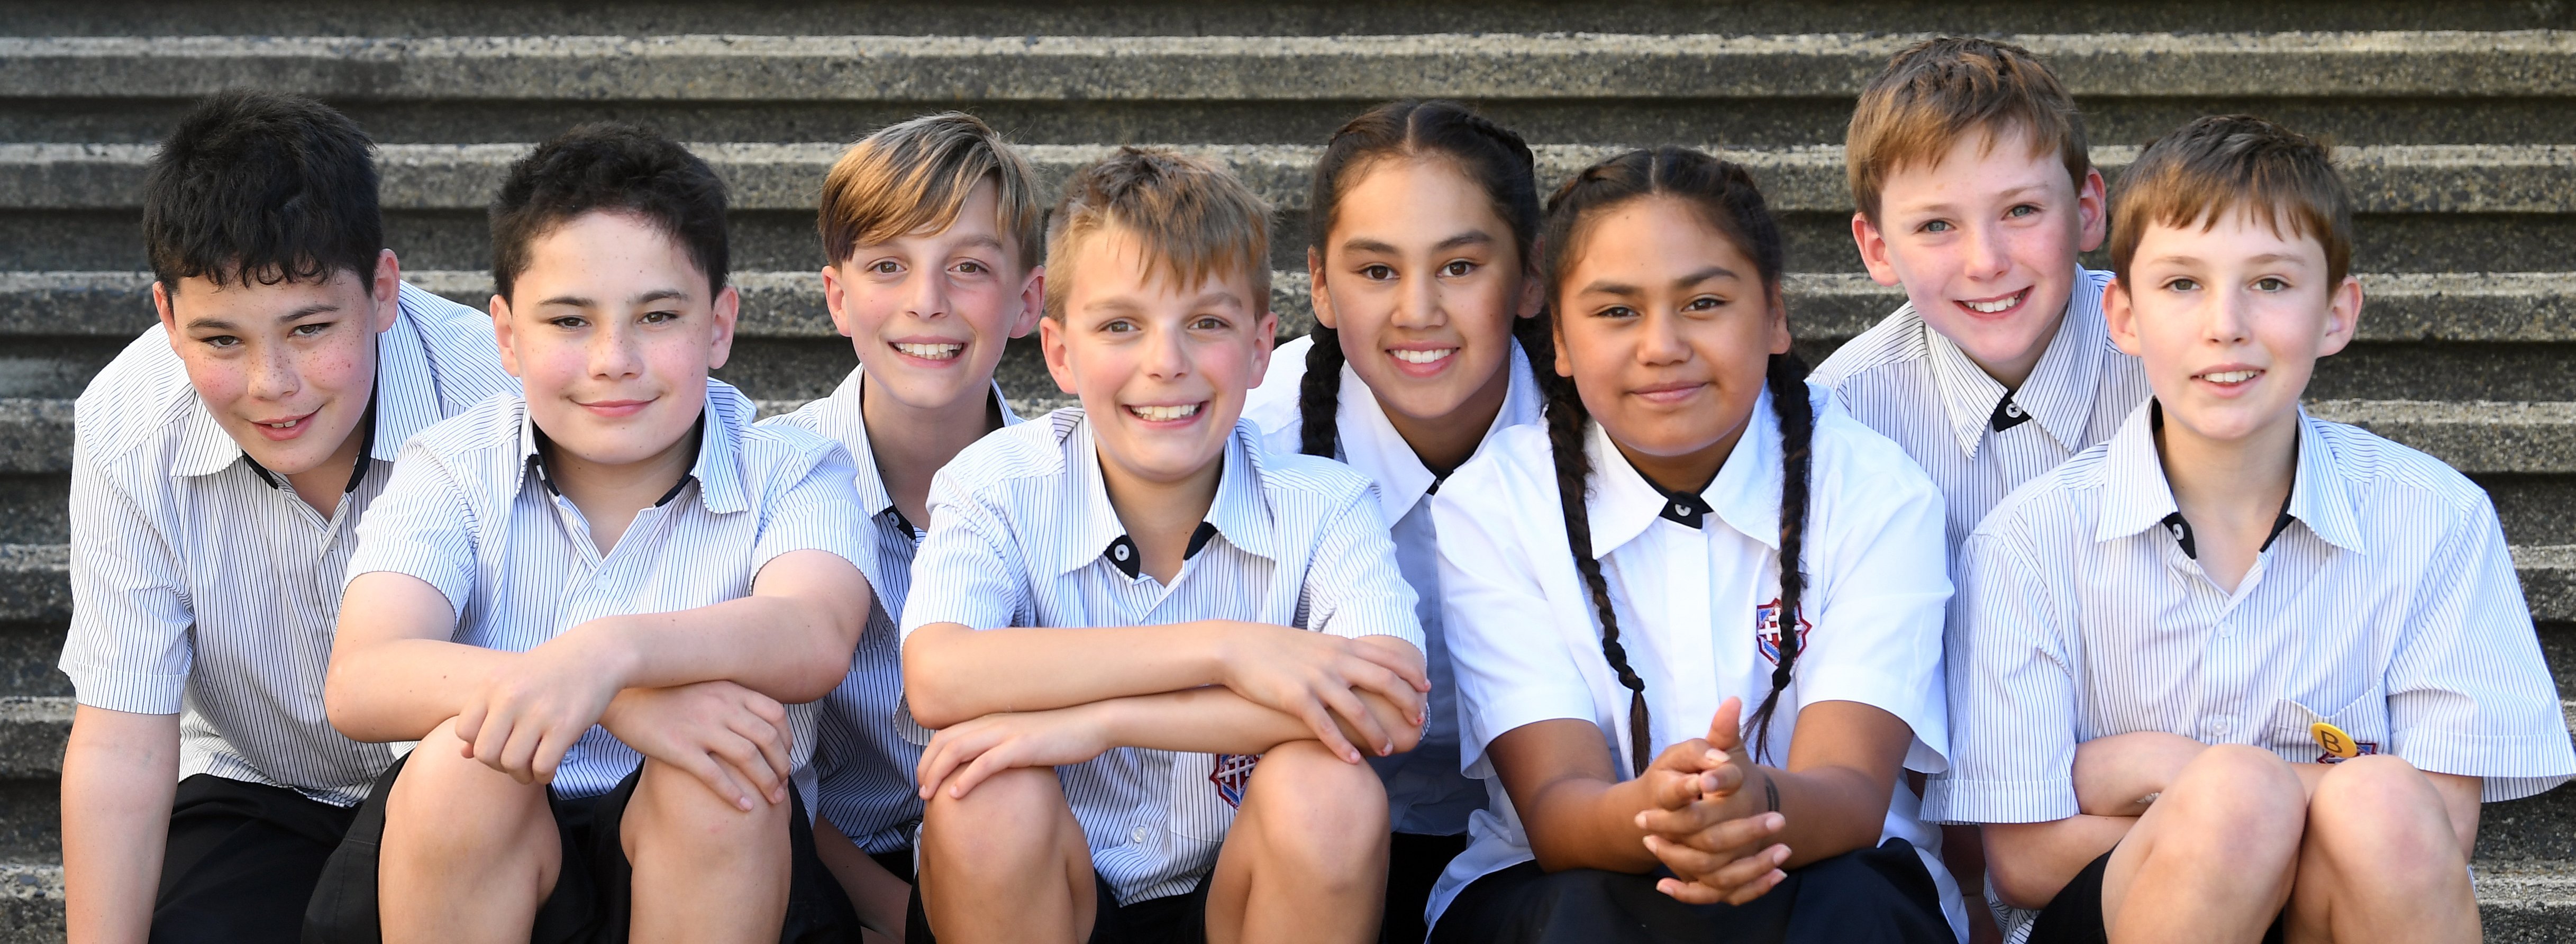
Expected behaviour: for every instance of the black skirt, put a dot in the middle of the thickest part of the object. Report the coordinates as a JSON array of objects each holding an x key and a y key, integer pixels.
[{"x": 1867, "y": 896}]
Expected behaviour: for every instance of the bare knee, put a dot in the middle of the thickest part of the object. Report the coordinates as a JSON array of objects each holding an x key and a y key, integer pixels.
[
  {"x": 445, "y": 805},
  {"x": 1317, "y": 810},
  {"x": 674, "y": 813},
  {"x": 2382, "y": 817},
  {"x": 1002, "y": 822},
  {"x": 2236, "y": 802}
]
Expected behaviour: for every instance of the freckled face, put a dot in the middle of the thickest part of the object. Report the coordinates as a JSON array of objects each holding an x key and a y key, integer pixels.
[
  {"x": 612, "y": 329},
  {"x": 286, "y": 369},
  {"x": 1667, "y": 329},
  {"x": 1161, "y": 369},
  {"x": 2229, "y": 322},
  {"x": 930, "y": 313}
]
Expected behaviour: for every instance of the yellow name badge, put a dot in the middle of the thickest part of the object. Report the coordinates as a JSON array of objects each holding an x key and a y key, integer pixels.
[{"x": 2334, "y": 741}]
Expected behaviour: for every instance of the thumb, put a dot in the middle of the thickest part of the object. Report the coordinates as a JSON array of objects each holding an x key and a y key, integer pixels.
[{"x": 1726, "y": 728}]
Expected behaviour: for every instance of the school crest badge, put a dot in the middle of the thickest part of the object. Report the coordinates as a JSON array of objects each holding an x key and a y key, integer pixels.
[
  {"x": 1766, "y": 630},
  {"x": 1233, "y": 772}
]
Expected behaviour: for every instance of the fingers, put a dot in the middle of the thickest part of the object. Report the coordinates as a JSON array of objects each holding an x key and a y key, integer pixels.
[
  {"x": 1669, "y": 790},
  {"x": 469, "y": 725},
  {"x": 1362, "y": 723},
  {"x": 750, "y": 762},
  {"x": 941, "y": 757},
  {"x": 983, "y": 768},
  {"x": 1733, "y": 883},
  {"x": 708, "y": 771},
  {"x": 1726, "y": 728},
  {"x": 1320, "y": 720},
  {"x": 1392, "y": 686},
  {"x": 1415, "y": 673},
  {"x": 768, "y": 750}
]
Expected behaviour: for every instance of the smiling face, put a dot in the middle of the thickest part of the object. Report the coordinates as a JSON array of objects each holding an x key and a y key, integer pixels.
[
  {"x": 612, "y": 330},
  {"x": 1985, "y": 243},
  {"x": 286, "y": 369},
  {"x": 1667, "y": 329},
  {"x": 1161, "y": 369},
  {"x": 1422, "y": 280},
  {"x": 2229, "y": 322},
  {"x": 930, "y": 313}
]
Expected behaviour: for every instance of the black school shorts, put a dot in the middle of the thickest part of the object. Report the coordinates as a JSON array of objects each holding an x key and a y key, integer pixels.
[
  {"x": 1171, "y": 919},
  {"x": 242, "y": 861},
  {"x": 591, "y": 901},
  {"x": 2075, "y": 915},
  {"x": 1866, "y": 896}
]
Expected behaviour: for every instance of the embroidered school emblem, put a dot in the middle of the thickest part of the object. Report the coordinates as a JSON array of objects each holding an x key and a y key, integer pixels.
[
  {"x": 1766, "y": 630},
  {"x": 1233, "y": 772}
]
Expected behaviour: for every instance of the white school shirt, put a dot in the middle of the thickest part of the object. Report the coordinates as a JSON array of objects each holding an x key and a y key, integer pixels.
[
  {"x": 1022, "y": 534},
  {"x": 865, "y": 755},
  {"x": 473, "y": 511},
  {"x": 1696, "y": 605},
  {"x": 2386, "y": 604},
  {"x": 1427, "y": 793},
  {"x": 203, "y": 587},
  {"x": 1914, "y": 386}
]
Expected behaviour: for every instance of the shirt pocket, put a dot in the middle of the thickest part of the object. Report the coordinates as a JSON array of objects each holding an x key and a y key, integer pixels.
[{"x": 2293, "y": 733}]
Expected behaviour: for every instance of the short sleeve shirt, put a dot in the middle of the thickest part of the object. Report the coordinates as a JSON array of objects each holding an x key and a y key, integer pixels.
[
  {"x": 867, "y": 748},
  {"x": 1426, "y": 791},
  {"x": 472, "y": 511},
  {"x": 1022, "y": 535},
  {"x": 2386, "y": 605},
  {"x": 203, "y": 586},
  {"x": 1694, "y": 582}
]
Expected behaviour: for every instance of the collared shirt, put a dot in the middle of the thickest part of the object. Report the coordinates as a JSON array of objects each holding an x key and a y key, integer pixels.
[
  {"x": 868, "y": 745},
  {"x": 1695, "y": 583},
  {"x": 471, "y": 511},
  {"x": 1022, "y": 534},
  {"x": 2389, "y": 608},
  {"x": 203, "y": 586},
  {"x": 1426, "y": 791},
  {"x": 1914, "y": 386}
]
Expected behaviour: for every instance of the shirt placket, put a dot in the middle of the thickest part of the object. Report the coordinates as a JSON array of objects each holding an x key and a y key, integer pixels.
[{"x": 2227, "y": 673}]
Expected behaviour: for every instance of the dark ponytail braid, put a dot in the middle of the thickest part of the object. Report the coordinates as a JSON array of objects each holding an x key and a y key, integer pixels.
[
  {"x": 1728, "y": 200},
  {"x": 1488, "y": 153}
]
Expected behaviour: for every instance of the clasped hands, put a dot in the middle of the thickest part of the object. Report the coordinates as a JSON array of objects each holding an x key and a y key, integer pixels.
[
  {"x": 1711, "y": 818},
  {"x": 529, "y": 711}
]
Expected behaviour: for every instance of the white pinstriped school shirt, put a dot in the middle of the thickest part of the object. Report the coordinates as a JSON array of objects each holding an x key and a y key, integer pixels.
[
  {"x": 2388, "y": 606},
  {"x": 1914, "y": 386},
  {"x": 1426, "y": 791},
  {"x": 866, "y": 752},
  {"x": 1022, "y": 534},
  {"x": 471, "y": 511},
  {"x": 203, "y": 587},
  {"x": 1697, "y": 607}
]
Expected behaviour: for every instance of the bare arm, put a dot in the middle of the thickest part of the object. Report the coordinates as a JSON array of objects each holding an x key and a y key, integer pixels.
[
  {"x": 120, "y": 771},
  {"x": 2028, "y": 863},
  {"x": 790, "y": 639},
  {"x": 394, "y": 675},
  {"x": 953, "y": 673}
]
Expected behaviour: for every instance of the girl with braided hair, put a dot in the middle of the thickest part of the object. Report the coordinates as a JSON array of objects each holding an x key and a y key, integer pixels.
[
  {"x": 1424, "y": 218},
  {"x": 1695, "y": 616}
]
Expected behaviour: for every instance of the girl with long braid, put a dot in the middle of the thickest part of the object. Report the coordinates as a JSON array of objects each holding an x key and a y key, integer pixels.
[
  {"x": 1424, "y": 217},
  {"x": 1695, "y": 616}
]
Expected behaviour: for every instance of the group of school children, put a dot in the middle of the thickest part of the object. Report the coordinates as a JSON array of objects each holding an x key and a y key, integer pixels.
[{"x": 1540, "y": 594}]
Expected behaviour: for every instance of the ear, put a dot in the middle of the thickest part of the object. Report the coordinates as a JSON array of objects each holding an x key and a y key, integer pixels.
[
  {"x": 1032, "y": 303},
  {"x": 1051, "y": 342},
  {"x": 835, "y": 302},
  {"x": 1319, "y": 297},
  {"x": 1780, "y": 338},
  {"x": 387, "y": 290},
  {"x": 2092, "y": 208},
  {"x": 1564, "y": 361},
  {"x": 1265, "y": 339},
  {"x": 1533, "y": 295},
  {"x": 2343, "y": 317},
  {"x": 2120, "y": 316},
  {"x": 727, "y": 309},
  {"x": 1873, "y": 250},
  {"x": 169, "y": 321},
  {"x": 505, "y": 334}
]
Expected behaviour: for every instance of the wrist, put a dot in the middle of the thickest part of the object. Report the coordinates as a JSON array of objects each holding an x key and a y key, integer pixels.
[{"x": 605, "y": 649}]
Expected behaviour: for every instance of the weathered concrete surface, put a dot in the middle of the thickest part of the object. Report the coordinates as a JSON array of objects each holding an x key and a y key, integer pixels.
[{"x": 2474, "y": 437}]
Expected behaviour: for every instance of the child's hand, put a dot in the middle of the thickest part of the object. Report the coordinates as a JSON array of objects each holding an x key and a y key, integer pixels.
[
  {"x": 1310, "y": 676},
  {"x": 961, "y": 756},
  {"x": 734, "y": 739},
  {"x": 2115, "y": 775},
  {"x": 526, "y": 716},
  {"x": 1711, "y": 821}
]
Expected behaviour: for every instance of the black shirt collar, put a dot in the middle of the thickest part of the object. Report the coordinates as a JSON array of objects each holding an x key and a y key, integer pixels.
[{"x": 1122, "y": 552}]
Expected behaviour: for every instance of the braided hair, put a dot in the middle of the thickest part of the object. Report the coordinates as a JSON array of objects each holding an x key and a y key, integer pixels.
[
  {"x": 1724, "y": 194},
  {"x": 1488, "y": 153}
]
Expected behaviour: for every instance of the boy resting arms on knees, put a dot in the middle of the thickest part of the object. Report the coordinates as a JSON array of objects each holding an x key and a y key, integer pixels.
[
  {"x": 1087, "y": 781},
  {"x": 589, "y": 604},
  {"x": 2293, "y": 656}
]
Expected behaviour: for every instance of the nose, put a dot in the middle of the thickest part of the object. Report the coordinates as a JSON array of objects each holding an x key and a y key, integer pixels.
[
  {"x": 1987, "y": 256},
  {"x": 1659, "y": 340},
  {"x": 614, "y": 351},
  {"x": 274, "y": 376},
  {"x": 2229, "y": 321},
  {"x": 928, "y": 293},
  {"x": 1417, "y": 304},
  {"x": 1165, "y": 356}
]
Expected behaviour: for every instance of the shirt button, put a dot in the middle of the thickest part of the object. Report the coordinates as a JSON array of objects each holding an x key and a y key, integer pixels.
[{"x": 1138, "y": 836}]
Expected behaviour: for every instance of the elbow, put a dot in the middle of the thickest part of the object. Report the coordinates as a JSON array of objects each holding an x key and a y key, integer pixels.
[
  {"x": 339, "y": 705},
  {"x": 934, "y": 702},
  {"x": 2014, "y": 880}
]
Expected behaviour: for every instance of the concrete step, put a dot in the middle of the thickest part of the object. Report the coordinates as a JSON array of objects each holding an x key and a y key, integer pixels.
[{"x": 2424, "y": 208}]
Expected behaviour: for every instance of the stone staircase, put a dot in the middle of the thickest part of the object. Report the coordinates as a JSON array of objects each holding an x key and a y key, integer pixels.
[{"x": 2455, "y": 119}]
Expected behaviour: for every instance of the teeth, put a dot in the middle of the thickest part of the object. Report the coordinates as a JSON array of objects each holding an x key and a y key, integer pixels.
[
  {"x": 936, "y": 352},
  {"x": 1164, "y": 413},
  {"x": 1997, "y": 305},
  {"x": 1423, "y": 357},
  {"x": 2231, "y": 376},
  {"x": 290, "y": 424}
]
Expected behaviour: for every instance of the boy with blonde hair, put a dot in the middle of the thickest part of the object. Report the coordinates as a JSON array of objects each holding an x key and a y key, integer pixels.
[
  {"x": 2291, "y": 656},
  {"x": 1145, "y": 621},
  {"x": 1975, "y": 194},
  {"x": 934, "y": 236}
]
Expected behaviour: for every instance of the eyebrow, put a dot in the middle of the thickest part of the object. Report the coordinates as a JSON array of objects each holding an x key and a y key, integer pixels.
[
  {"x": 2016, "y": 192},
  {"x": 1468, "y": 238},
  {"x": 317, "y": 308},
  {"x": 1695, "y": 278},
  {"x": 647, "y": 298}
]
